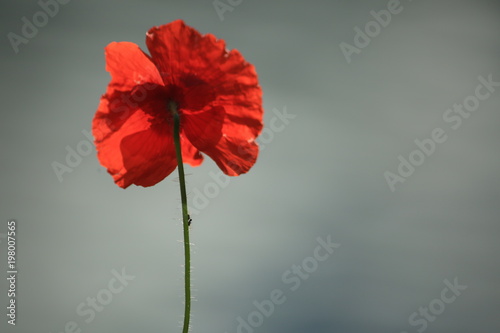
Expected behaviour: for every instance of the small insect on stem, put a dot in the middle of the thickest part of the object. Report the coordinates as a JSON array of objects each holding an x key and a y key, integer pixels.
[{"x": 189, "y": 220}]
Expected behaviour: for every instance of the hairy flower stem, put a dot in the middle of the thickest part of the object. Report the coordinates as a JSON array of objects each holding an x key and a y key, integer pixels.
[{"x": 172, "y": 106}]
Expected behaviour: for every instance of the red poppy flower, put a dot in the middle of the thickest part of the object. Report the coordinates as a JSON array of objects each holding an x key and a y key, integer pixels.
[{"x": 216, "y": 92}]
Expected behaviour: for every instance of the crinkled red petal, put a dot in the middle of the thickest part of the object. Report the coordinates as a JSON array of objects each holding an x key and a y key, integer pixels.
[
  {"x": 223, "y": 79},
  {"x": 233, "y": 156}
]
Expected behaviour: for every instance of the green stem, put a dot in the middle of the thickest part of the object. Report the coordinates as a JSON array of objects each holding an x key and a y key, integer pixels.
[{"x": 185, "y": 217}]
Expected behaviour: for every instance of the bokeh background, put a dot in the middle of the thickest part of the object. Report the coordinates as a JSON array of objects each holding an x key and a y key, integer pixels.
[{"x": 321, "y": 176}]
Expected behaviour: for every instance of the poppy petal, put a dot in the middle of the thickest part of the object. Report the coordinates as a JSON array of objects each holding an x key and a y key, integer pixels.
[
  {"x": 148, "y": 157},
  {"x": 238, "y": 91},
  {"x": 234, "y": 156},
  {"x": 203, "y": 129},
  {"x": 134, "y": 79},
  {"x": 138, "y": 153},
  {"x": 175, "y": 49},
  {"x": 129, "y": 66}
]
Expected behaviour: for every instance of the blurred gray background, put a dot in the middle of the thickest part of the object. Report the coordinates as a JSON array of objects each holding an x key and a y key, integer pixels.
[{"x": 322, "y": 175}]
